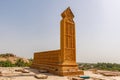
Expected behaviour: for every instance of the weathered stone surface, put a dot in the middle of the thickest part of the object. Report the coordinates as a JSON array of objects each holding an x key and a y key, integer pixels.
[
  {"x": 41, "y": 76},
  {"x": 62, "y": 61}
]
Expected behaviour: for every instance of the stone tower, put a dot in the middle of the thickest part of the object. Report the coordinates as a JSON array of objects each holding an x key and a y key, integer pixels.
[
  {"x": 63, "y": 61},
  {"x": 67, "y": 29}
]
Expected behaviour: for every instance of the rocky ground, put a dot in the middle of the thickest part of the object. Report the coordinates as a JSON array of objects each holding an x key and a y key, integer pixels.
[
  {"x": 99, "y": 76},
  {"x": 15, "y": 73},
  {"x": 25, "y": 73}
]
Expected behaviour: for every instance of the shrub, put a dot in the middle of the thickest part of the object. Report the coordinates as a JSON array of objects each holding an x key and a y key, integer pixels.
[
  {"x": 6, "y": 63},
  {"x": 20, "y": 63}
]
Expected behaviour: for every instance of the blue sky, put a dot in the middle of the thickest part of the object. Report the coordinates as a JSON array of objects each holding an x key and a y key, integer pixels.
[{"x": 28, "y": 26}]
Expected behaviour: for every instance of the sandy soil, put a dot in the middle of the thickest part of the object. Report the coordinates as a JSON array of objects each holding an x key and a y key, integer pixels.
[{"x": 9, "y": 73}]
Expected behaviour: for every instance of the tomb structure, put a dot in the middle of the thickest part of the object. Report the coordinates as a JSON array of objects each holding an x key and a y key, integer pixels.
[{"x": 63, "y": 61}]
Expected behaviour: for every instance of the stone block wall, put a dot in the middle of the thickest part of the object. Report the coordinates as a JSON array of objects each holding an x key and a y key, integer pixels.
[{"x": 46, "y": 60}]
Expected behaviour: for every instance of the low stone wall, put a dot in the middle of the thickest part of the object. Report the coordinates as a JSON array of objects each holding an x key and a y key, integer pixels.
[{"x": 46, "y": 60}]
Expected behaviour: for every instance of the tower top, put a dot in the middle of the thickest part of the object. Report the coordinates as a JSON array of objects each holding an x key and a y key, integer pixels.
[{"x": 67, "y": 13}]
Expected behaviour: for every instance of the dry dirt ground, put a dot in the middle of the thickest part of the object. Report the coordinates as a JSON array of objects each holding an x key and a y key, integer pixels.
[{"x": 9, "y": 73}]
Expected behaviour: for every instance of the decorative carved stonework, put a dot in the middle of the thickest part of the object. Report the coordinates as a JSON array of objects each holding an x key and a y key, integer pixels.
[{"x": 69, "y": 56}]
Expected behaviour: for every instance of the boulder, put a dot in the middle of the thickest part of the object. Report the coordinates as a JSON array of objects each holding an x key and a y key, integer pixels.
[
  {"x": 41, "y": 76},
  {"x": 19, "y": 70},
  {"x": 25, "y": 71}
]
